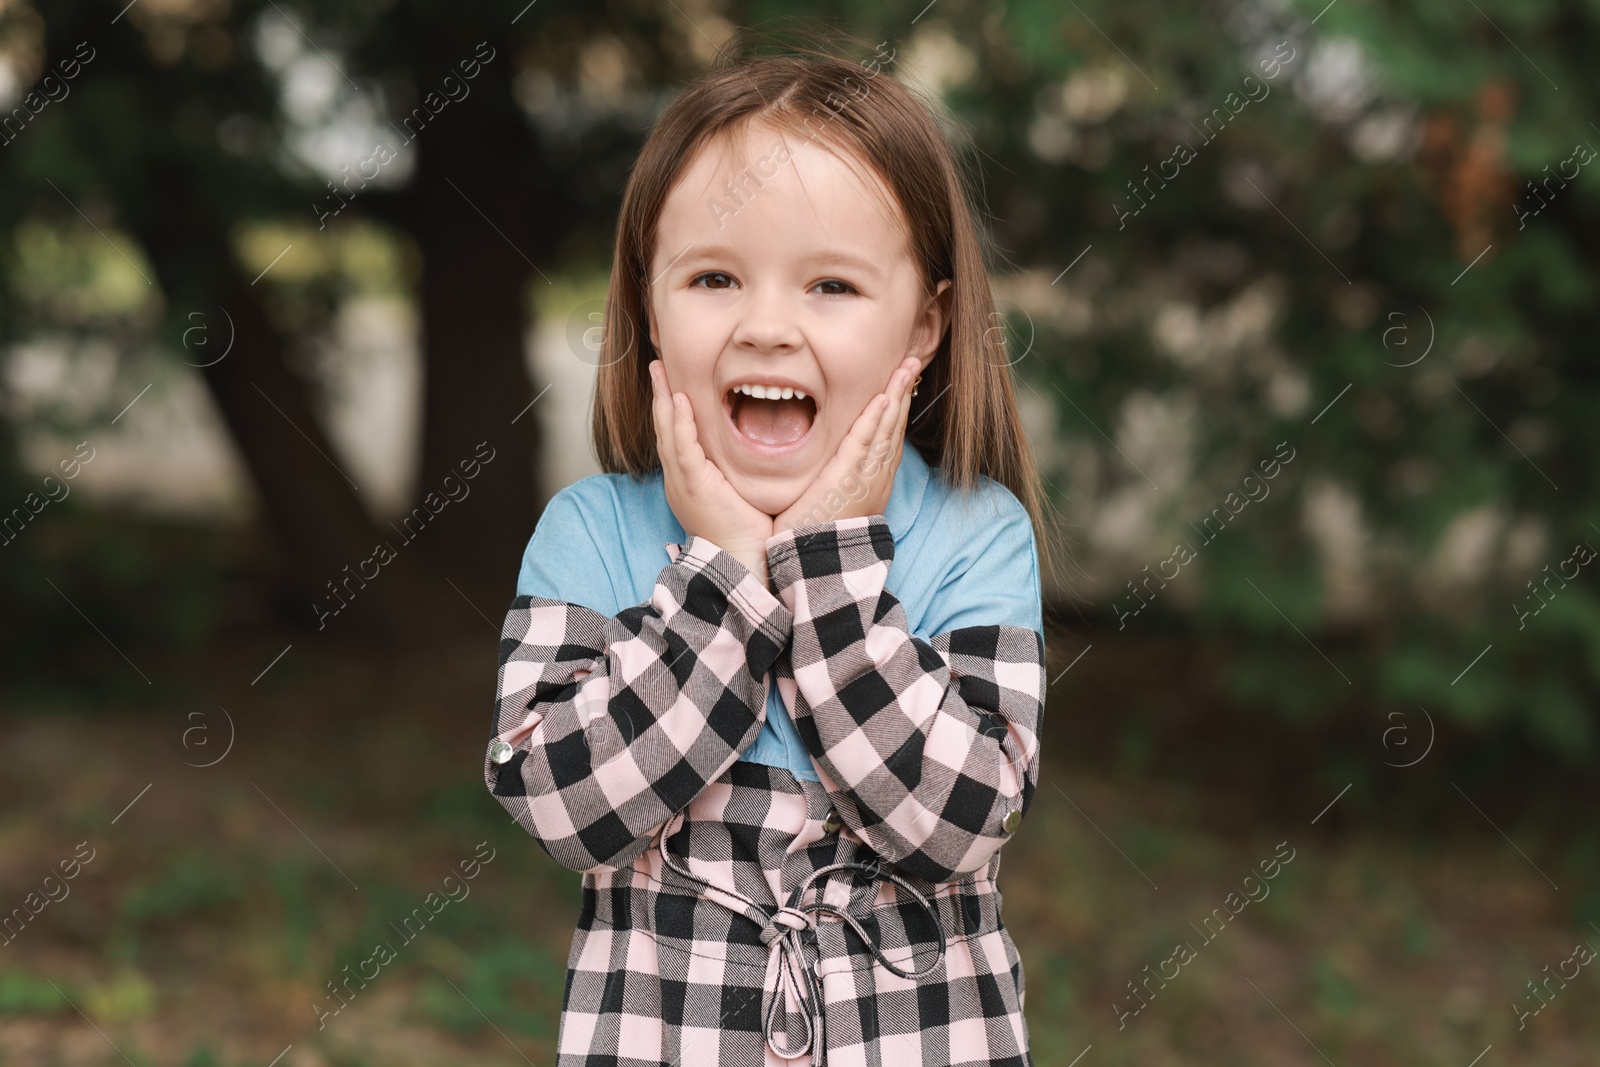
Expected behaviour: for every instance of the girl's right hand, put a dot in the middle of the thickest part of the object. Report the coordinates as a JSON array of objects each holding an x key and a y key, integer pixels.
[{"x": 705, "y": 503}]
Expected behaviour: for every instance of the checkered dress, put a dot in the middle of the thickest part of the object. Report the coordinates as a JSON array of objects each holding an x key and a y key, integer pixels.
[{"x": 734, "y": 914}]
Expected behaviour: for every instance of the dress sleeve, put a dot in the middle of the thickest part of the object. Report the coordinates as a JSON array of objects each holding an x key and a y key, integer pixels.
[
  {"x": 929, "y": 747},
  {"x": 607, "y": 726}
]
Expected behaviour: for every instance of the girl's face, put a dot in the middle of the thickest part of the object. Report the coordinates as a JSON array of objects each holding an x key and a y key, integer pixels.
[{"x": 795, "y": 282}]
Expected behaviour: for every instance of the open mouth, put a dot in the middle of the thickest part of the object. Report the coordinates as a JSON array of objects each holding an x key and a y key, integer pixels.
[{"x": 770, "y": 420}]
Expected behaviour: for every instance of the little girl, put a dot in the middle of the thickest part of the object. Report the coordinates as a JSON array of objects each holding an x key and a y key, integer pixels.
[{"x": 774, "y": 683}]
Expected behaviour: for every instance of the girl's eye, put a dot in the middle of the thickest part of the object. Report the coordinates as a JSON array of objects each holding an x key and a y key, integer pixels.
[{"x": 843, "y": 287}]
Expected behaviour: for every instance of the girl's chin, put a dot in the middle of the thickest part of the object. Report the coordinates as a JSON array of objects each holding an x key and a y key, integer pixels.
[
  {"x": 771, "y": 494},
  {"x": 773, "y": 498}
]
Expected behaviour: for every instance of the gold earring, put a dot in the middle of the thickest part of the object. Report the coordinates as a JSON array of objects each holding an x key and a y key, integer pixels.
[{"x": 915, "y": 384}]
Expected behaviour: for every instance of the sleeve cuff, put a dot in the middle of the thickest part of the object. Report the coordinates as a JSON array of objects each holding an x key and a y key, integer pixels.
[
  {"x": 826, "y": 548},
  {"x": 742, "y": 588}
]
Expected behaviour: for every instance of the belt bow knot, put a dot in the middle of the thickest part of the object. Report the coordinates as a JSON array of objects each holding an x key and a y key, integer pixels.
[
  {"x": 794, "y": 987},
  {"x": 794, "y": 991}
]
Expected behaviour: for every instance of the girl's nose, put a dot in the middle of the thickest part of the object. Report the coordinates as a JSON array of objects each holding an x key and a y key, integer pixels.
[{"x": 768, "y": 321}]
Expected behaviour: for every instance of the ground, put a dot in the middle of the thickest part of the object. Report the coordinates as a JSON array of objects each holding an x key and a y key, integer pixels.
[{"x": 222, "y": 901}]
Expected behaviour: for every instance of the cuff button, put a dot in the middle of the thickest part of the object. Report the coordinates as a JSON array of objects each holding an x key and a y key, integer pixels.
[
  {"x": 1011, "y": 822},
  {"x": 499, "y": 752}
]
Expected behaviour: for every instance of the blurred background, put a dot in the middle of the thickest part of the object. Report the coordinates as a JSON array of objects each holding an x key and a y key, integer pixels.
[{"x": 1302, "y": 360}]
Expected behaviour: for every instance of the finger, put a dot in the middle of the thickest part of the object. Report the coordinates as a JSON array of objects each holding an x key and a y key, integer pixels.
[
  {"x": 893, "y": 391},
  {"x": 855, "y": 451},
  {"x": 905, "y": 413},
  {"x": 883, "y": 437},
  {"x": 688, "y": 439},
  {"x": 661, "y": 414},
  {"x": 699, "y": 472},
  {"x": 913, "y": 368},
  {"x": 657, "y": 416},
  {"x": 865, "y": 427},
  {"x": 913, "y": 372},
  {"x": 868, "y": 429},
  {"x": 891, "y": 429},
  {"x": 655, "y": 407},
  {"x": 862, "y": 450}
]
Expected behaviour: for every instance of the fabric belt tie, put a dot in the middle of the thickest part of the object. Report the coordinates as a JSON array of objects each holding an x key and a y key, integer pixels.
[
  {"x": 791, "y": 985},
  {"x": 782, "y": 936}
]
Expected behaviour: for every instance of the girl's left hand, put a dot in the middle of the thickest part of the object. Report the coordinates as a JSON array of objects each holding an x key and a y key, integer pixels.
[{"x": 857, "y": 481}]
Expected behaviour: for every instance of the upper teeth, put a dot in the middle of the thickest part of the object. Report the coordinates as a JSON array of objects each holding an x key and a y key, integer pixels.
[{"x": 769, "y": 392}]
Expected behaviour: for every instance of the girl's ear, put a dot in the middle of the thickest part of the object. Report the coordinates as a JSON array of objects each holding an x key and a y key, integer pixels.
[{"x": 930, "y": 327}]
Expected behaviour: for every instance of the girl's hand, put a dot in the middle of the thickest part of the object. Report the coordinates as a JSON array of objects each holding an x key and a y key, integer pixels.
[
  {"x": 857, "y": 481},
  {"x": 705, "y": 504}
]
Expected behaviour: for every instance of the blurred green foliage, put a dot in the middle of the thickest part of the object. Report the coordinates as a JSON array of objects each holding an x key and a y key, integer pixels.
[
  {"x": 518, "y": 985},
  {"x": 1281, "y": 286},
  {"x": 192, "y": 888},
  {"x": 22, "y": 994}
]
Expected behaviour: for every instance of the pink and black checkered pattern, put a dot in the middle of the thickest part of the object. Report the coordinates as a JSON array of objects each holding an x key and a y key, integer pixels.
[
  {"x": 617, "y": 723},
  {"x": 725, "y": 920},
  {"x": 925, "y": 746}
]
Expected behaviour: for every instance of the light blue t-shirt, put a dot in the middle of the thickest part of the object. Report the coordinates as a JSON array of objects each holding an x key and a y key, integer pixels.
[{"x": 601, "y": 543}]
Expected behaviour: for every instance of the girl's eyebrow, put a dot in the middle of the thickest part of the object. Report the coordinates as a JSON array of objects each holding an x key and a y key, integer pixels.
[{"x": 826, "y": 255}]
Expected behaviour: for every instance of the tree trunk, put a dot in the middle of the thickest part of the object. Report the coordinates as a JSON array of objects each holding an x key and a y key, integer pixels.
[
  {"x": 468, "y": 205},
  {"x": 336, "y": 578}
]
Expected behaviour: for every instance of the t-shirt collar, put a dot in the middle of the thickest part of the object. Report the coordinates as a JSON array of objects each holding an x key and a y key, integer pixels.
[{"x": 905, "y": 496}]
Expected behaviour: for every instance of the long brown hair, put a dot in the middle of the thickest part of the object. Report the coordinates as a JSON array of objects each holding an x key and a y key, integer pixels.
[{"x": 862, "y": 112}]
